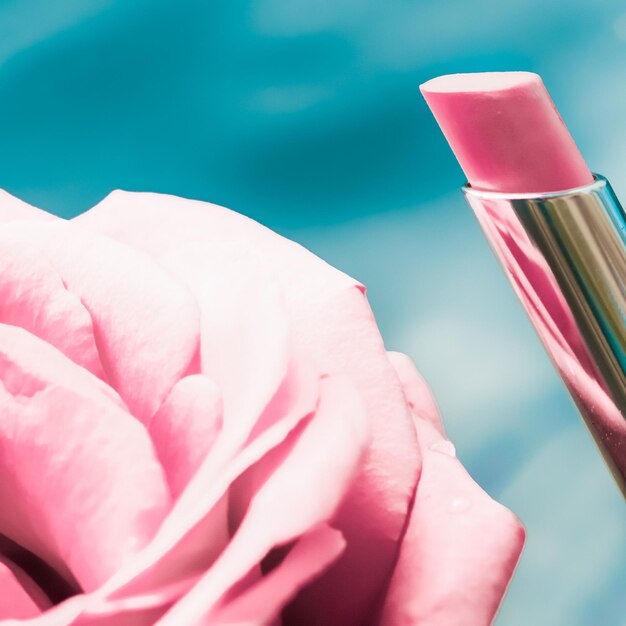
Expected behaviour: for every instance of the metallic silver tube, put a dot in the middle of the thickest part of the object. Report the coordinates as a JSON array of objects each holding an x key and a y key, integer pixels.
[{"x": 565, "y": 256}]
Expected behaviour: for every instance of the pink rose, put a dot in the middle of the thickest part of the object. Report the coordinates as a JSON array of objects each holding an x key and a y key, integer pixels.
[{"x": 199, "y": 424}]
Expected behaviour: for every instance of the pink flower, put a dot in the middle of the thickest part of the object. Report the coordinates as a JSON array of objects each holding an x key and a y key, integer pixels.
[{"x": 199, "y": 424}]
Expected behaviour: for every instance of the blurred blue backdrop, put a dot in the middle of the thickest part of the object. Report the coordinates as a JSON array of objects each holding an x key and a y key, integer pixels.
[{"x": 306, "y": 115}]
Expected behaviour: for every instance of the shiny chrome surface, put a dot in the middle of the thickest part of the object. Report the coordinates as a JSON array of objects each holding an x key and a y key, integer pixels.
[{"x": 565, "y": 256}]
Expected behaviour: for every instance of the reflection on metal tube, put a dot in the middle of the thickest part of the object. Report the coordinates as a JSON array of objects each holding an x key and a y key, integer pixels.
[{"x": 565, "y": 255}]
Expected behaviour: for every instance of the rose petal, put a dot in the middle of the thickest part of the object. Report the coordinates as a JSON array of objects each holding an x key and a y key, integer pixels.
[
  {"x": 374, "y": 515},
  {"x": 141, "y": 315},
  {"x": 44, "y": 584},
  {"x": 416, "y": 391},
  {"x": 63, "y": 441},
  {"x": 260, "y": 604},
  {"x": 196, "y": 531},
  {"x": 11, "y": 208},
  {"x": 185, "y": 428},
  {"x": 27, "y": 364},
  {"x": 245, "y": 349},
  {"x": 33, "y": 296},
  {"x": 322, "y": 460},
  {"x": 244, "y": 332},
  {"x": 459, "y": 550},
  {"x": 148, "y": 587},
  {"x": 20, "y": 598},
  {"x": 189, "y": 540},
  {"x": 330, "y": 320},
  {"x": 76, "y": 612}
]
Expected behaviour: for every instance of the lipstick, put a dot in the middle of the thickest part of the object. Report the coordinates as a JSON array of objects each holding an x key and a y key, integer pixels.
[{"x": 558, "y": 231}]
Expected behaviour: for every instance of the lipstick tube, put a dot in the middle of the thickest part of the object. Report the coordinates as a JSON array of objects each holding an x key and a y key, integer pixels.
[{"x": 565, "y": 256}]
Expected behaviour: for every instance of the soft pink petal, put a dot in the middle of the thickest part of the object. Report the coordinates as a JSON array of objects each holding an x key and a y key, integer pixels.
[
  {"x": 261, "y": 604},
  {"x": 344, "y": 338},
  {"x": 330, "y": 320},
  {"x": 89, "y": 610},
  {"x": 416, "y": 390},
  {"x": 321, "y": 460},
  {"x": 459, "y": 551},
  {"x": 244, "y": 331},
  {"x": 86, "y": 489},
  {"x": 145, "y": 321},
  {"x": 196, "y": 531},
  {"x": 185, "y": 428},
  {"x": 11, "y": 208},
  {"x": 20, "y": 598},
  {"x": 44, "y": 585},
  {"x": 27, "y": 363},
  {"x": 33, "y": 296},
  {"x": 245, "y": 350}
]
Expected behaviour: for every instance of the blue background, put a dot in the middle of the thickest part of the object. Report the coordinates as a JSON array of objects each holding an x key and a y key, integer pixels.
[{"x": 306, "y": 115}]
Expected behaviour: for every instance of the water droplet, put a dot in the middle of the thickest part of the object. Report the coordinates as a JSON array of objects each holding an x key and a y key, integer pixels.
[
  {"x": 444, "y": 446},
  {"x": 459, "y": 505}
]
